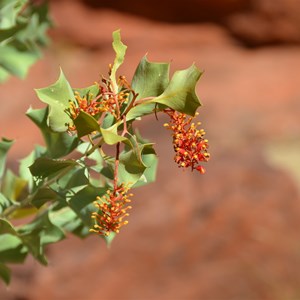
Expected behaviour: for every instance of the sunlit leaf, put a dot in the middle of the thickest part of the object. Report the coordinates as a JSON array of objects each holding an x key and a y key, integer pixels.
[
  {"x": 120, "y": 50},
  {"x": 110, "y": 135},
  {"x": 150, "y": 79},
  {"x": 180, "y": 93},
  {"x": 57, "y": 96},
  {"x": 58, "y": 144},
  {"x": 12, "y": 249}
]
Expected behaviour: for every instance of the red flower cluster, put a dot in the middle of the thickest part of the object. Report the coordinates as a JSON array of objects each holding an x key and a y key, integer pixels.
[
  {"x": 105, "y": 101},
  {"x": 112, "y": 209},
  {"x": 188, "y": 141}
]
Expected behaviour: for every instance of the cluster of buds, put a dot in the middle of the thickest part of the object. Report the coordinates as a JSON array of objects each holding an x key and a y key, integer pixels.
[
  {"x": 112, "y": 209},
  {"x": 189, "y": 144}
]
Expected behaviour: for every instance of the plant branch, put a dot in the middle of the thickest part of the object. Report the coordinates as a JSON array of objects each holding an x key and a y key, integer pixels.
[{"x": 30, "y": 197}]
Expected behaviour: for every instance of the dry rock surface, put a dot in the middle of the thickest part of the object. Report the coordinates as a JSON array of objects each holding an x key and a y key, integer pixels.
[{"x": 230, "y": 234}]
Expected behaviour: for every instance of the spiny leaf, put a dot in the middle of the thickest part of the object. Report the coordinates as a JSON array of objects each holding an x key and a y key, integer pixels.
[
  {"x": 57, "y": 96},
  {"x": 180, "y": 93},
  {"x": 150, "y": 79},
  {"x": 58, "y": 144}
]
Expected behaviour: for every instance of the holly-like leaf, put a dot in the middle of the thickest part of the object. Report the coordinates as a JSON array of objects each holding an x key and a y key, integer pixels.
[
  {"x": 5, "y": 145},
  {"x": 44, "y": 167},
  {"x": 110, "y": 135},
  {"x": 57, "y": 96},
  {"x": 132, "y": 167},
  {"x": 150, "y": 79},
  {"x": 180, "y": 93},
  {"x": 150, "y": 160},
  {"x": 58, "y": 144},
  {"x": 120, "y": 50},
  {"x": 85, "y": 124}
]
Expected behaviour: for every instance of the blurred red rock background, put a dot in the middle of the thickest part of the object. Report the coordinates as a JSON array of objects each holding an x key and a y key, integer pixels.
[{"x": 232, "y": 234}]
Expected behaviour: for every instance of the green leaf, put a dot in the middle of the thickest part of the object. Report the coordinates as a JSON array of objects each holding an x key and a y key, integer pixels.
[
  {"x": 42, "y": 196},
  {"x": 12, "y": 249},
  {"x": 57, "y": 96},
  {"x": 150, "y": 79},
  {"x": 5, "y": 273},
  {"x": 13, "y": 187},
  {"x": 15, "y": 61},
  {"x": 180, "y": 94},
  {"x": 150, "y": 160},
  {"x": 39, "y": 233},
  {"x": 110, "y": 135},
  {"x": 120, "y": 50},
  {"x": 7, "y": 227},
  {"x": 82, "y": 203},
  {"x": 66, "y": 219},
  {"x": 85, "y": 124},
  {"x": 5, "y": 145},
  {"x": 58, "y": 144},
  {"x": 9, "y": 11},
  {"x": 4, "y": 203},
  {"x": 27, "y": 161},
  {"x": 132, "y": 166},
  {"x": 44, "y": 167}
]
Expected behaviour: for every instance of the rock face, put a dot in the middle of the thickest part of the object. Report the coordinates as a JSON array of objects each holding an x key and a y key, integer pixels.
[
  {"x": 176, "y": 11},
  {"x": 253, "y": 22},
  {"x": 268, "y": 22},
  {"x": 230, "y": 234}
]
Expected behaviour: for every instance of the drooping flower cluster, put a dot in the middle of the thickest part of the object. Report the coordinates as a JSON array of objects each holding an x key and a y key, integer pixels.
[
  {"x": 112, "y": 209},
  {"x": 189, "y": 144}
]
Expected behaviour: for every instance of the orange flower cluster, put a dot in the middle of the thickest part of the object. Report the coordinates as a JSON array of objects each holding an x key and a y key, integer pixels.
[
  {"x": 90, "y": 106},
  {"x": 112, "y": 209},
  {"x": 188, "y": 141},
  {"x": 105, "y": 101}
]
